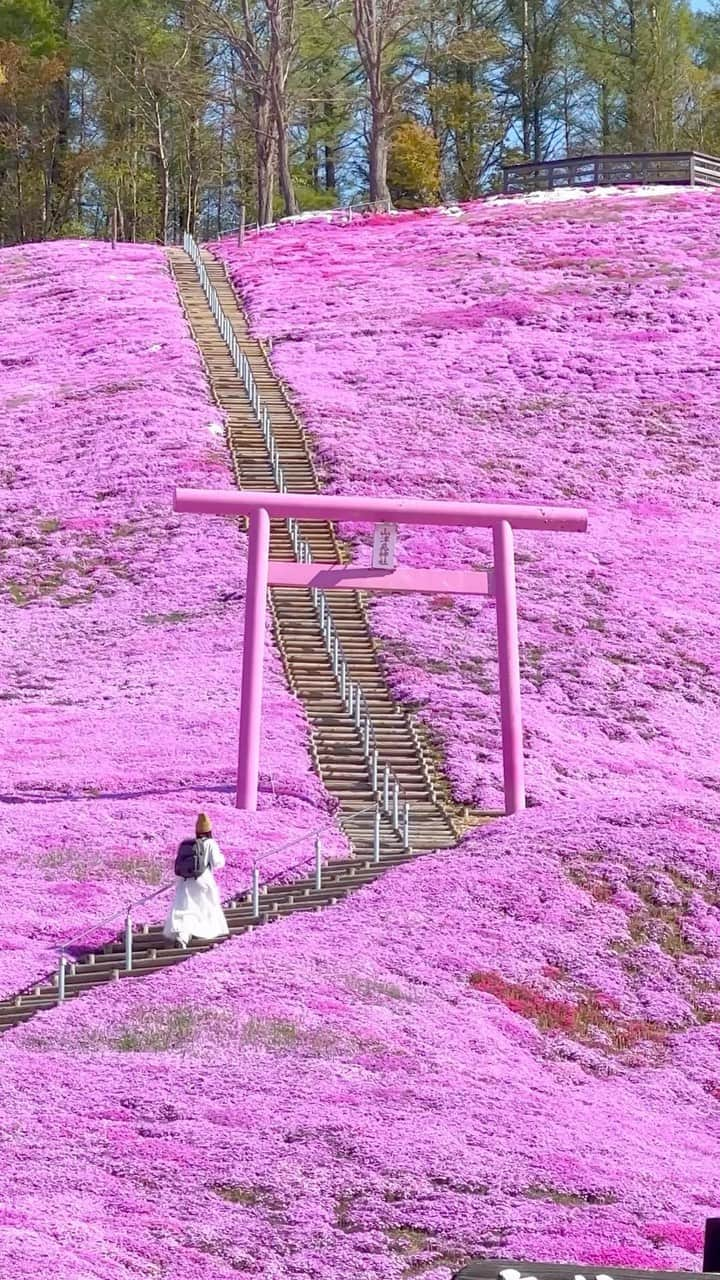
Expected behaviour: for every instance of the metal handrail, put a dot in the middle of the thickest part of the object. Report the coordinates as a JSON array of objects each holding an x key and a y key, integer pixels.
[
  {"x": 273, "y": 879},
  {"x": 255, "y": 891},
  {"x": 353, "y": 697}
]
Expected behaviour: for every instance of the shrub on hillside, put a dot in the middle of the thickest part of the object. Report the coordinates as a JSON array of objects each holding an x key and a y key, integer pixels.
[{"x": 414, "y": 166}]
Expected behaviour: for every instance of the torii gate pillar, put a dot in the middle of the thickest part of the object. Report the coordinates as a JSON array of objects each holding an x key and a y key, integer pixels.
[
  {"x": 508, "y": 646},
  {"x": 252, "y": 662}
]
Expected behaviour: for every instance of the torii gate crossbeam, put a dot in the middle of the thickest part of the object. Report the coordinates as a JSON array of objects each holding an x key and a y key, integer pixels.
[{"x": 499, "y": 582}]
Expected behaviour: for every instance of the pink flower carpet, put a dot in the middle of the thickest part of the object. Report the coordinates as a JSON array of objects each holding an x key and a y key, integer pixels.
[
  {"x": 120, "y": 623},
  {"x": 564, "y": 352},
  {"x": 512, "y": 1048}
]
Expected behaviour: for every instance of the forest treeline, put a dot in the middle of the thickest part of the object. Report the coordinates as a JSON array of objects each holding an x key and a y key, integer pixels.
[{"x": 165, "y": 115}]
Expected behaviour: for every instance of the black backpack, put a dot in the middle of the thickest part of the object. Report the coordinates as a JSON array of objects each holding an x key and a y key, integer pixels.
[{"x": 191, "y": 860}]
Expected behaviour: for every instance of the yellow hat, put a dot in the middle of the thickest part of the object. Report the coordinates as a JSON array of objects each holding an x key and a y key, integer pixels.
[{"x": 202, "y": 826}]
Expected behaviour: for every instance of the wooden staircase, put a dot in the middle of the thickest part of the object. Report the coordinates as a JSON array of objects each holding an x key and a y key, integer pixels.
[
  {"x": 336, "y": 743},
  {"x": 337, "y": 747},
  {"x": 151, "y": 951}
]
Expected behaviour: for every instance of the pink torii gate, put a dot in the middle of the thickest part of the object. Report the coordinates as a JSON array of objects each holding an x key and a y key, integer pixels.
[{"x": 262, "y": 573}]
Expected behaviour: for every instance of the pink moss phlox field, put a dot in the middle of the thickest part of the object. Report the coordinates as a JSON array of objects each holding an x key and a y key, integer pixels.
[
  {"x": 120, "y": 623},
  {"x": 565, "y": 352},
  {"x": 333, "y": 1097},
  {"x": 509, "y": 1048}
]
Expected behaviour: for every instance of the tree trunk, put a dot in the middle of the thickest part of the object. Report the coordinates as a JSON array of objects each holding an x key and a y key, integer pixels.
[
  {"x": 633, "y": 111},
  {"x": 287, "y": 186},
  {"x": 604, "y": 90},
  {"x": 189, "y": 194},
  {"x": 281, "y": 16},
  {"x": 20, "y": 198},
  {"x": 264, "y": 161},
  {"x": 373, "y": 32},
  {"x": 311, "y": 151},
  {"x": 524, "y": 82},
  {"x": 605, "y": 117},
  {"x": 60, "y": 114},
  {"x": 329, "y": 147},
  {"x": 163, "y": 177},
  {"x": 81, "y": 144},
  {"x": 379, "y": 150},
  {"x": 221, "y": 172},
  {"x": 536, "y": 70},
  {"x": 60, "y": 109},
  {"x": 330, "y": 169}
]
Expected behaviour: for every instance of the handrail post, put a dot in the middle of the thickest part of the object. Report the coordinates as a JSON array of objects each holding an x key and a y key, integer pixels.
[
  {"x": 375, "y": 763},
  {"x": 376, "y": 833},
  {"x": 406, "y": 827},
  {"x": 256, "y": 892},
  {"x": 386, "y": 788},
  {"x": 128, "y": 942},
  {"x": 318, "y": 864},
  {"x": 396, "y": 806},
  {"x": 61, "y": 977}
]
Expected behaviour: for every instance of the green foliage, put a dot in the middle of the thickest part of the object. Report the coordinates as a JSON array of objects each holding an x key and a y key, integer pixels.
[
  {"x": 414, "y": 166},
  {"x": 73, "y": 229},
  {"x": 32, "y": 24},
  {"x": 159, "y": 118},
  {"x": 638, "y": 60},
  {"x": 468, "y": 47},
  {"x": 311, "y": 197}
]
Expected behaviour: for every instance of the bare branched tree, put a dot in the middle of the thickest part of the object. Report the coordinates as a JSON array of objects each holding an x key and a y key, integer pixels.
[{"x": 379, "y": 28}]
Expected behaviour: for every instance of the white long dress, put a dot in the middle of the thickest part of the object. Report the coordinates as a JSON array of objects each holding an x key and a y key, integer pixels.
[{"x": 196, "y": 911}]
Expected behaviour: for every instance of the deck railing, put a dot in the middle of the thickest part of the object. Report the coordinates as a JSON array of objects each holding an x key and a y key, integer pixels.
[{"x": 673, "y": 168}]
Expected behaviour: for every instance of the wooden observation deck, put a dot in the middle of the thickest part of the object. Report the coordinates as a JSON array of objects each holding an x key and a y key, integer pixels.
[{"x": 671, "y": 168}]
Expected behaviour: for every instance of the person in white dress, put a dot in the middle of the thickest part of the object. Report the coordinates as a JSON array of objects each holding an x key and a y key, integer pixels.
[{"x": 196, "y": 911}]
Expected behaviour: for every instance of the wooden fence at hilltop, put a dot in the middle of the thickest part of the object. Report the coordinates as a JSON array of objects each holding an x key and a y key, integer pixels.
[{"x": 675, "y": 168}]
